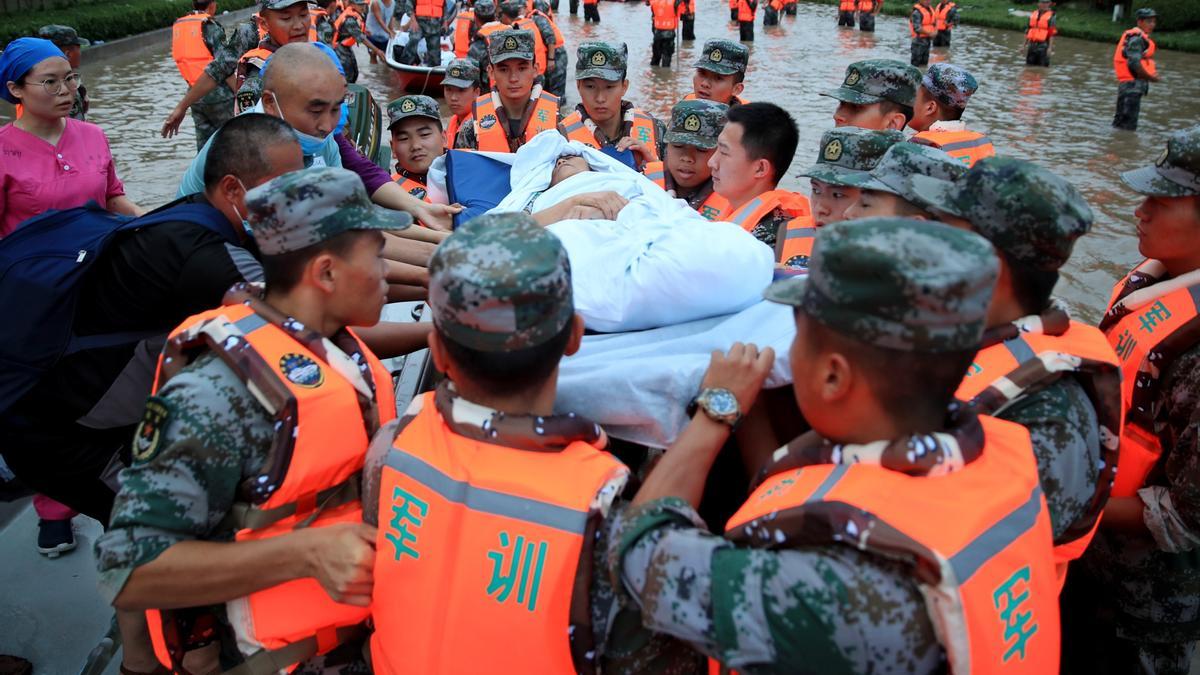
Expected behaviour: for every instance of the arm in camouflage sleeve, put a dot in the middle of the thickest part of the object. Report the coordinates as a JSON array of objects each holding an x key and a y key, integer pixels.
[
  {"x": 547, "y": 34},
  {"x": 1172, "y": 511},
  {"x": 1135, "y": 50}
]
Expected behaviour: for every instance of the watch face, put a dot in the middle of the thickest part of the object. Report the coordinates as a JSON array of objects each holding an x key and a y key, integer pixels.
[{"x": 722, "y": 402}]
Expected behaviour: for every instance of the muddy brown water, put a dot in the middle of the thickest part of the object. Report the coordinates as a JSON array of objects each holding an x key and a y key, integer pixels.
[{"x": 1058, "y": 116}]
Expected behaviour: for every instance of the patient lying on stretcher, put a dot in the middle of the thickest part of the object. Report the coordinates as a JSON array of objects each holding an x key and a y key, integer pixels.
[{"x": 602, "y": 205}]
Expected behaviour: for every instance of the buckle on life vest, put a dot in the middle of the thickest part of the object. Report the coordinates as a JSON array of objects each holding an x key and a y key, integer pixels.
[
  {"x": 270, "y": 661},
  {"x": 245, "y": 516}
]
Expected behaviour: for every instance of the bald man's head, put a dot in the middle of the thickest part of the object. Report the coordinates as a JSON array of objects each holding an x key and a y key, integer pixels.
[{"x": 302, "y": 86}]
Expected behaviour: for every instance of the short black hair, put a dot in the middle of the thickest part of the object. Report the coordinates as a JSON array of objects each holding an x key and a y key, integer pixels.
[
  {"x": 239, "y": 148},
  {"x": 768, "y": 132},
  {"x": 200, "y": 5},
  {"x": 1031, "y": 287},
  {"x": 887, "y": 106},
  {"x": 282, "y": 272},
  {"x": 507, "y": 373},
  {"x": 907, "y": 384}
]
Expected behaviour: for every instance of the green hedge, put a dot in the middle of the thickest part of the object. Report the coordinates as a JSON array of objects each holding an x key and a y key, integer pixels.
[
  {"x": 105, "y": 21},
  {"x": 1174, "y": 14}
]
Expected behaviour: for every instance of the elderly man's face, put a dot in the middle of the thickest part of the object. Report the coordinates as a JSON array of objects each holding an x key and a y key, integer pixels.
[
  {"x": 311, "y": 106},
  {"x": 567, "y": 166}
]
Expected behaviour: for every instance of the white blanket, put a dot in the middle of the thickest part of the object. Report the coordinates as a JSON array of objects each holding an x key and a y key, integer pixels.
[
  {"x": 637, "y": 385},
  {"x": 659, "y": 263}
]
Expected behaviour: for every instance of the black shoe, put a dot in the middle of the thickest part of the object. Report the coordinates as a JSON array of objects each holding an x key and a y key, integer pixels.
[{"x": 55, "y": 537}]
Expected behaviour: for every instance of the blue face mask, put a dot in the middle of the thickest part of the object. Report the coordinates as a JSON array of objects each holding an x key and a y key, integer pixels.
[{"x": 245, "y": 223}]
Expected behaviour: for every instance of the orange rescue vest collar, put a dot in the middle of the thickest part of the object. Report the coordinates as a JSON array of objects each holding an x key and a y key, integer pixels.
[{"x": 491, "y": 127}]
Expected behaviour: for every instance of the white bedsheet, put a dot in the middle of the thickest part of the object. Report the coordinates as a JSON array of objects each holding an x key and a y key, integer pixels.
[{"x": 637, "y": 385}]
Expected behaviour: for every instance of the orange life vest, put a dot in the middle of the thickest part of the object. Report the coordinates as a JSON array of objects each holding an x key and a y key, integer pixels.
[
  {"x": 866, "y": 6},
  {"x": 968, "y": 146},
  {"x": 346, "y": 40},
  {"x": 714, "y": 207},
  {"x": 664, "y": 15},
  {"x": 985, "y": 556},
  {"x": 927, "y": 21},
  {"x": 256, "y": 57},
  {"x": 412, "y": 187},
  {"x": 794, "y": 246},
  {"x": 941, "y": 13},
  {"x": 1084, "y": 352},
  {"x": 736, "y": 100},
  {"x": 559, "y": 41},
  {"x": 429, "y": 9},
  {"x": 745, "y": 11},
  {"x": 1121, "y": 64},
  {"x": 462, "y": 33},
  {"x": 319, "y": 451},
  {"x": 539, "y": 42},
  {"x": 492, "y": 136},
  {"x": 591, "y": 2},
  {"x": 452, "y": 126},
  {"x": 187, "y": 46},
  {"x": 641, "y": 129},
  {"x": 479, "y": 550},
  {"x": 847, "y": 5},
  {"x": 1039, "y": 26},
  {"x": 1146, "y": 338},
  {"x": 748, "y": 215}
]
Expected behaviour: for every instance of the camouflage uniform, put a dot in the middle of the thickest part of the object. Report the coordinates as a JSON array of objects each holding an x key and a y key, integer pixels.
[
  {"x": 848, "y": 153},
  {"x": 351, "y": 28},
  {"x": 609, "y": 61},
  {"x": 520, "y": 272},
  {"x": 502, "y": 49},
  {"x": 1129, "y": 94},
  {"x": 724, "y": 57},
  {"x": 431, "y": 33},
  {"x": 894, "y": 171},
  {"x": 697, "y": 123},
  {"x": 828, "y": 608},
  {"x": 556, "y": 80},
  {"x": 878, "y": 80},
  {"x": 210, "y": 433},
  {"x": 225, "y": 62},
  {"x": 1038, "y": 53},
  {"x": 323, "y": 24},
  {"x": 485, "y": 13},
  {"x": 1033, "y": 218},
  {"x": 943, "y": 37},
  {"x": 216, "y": 108},
  {"x": 1135, "y": 597},
  {"x": 64, "y": 37},
  {"x": 920, "y": 43}
]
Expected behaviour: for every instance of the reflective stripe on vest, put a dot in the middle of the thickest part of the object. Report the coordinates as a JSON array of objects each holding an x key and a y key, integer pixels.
[
  {"x": 188, "y": 50},
  {"x": 1121, "y": 64},
  {"x": 750, "y": 213},
  {"x": 493, "y": 136},
  {"x": 927, "y": 21},
  {"x": 796, "y": 242},
  {"x": 1147, "y": 339},
  {"x": 984, "y": 562},
  {"x": 968, "y": 146},
  {"x": 539, "y": 42},
  {"x": 1083, "y": 352},
  {"x": 714, "y": 206},
  {"x": 315, "y": 474},
  {"x": 483, "y": 543},
  {"x": 429, "y": 9},
  {"x": 462, "y": 33},
  {"x": 348, "y": 40},
  {"x": 940, "y": 15},
  {"x": 1039, "y": 26},
  {"x": 657, "y": 172}
]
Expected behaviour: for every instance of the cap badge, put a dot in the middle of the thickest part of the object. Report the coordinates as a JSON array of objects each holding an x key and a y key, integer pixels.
[
  {"x": 852, "y": 77},
  {"x": 1162, "y": 159},
  {"x": 456, "y": 72},
  {"x": 510, "y": 43},
  {"x": 715, "y": 56},
  {"x": 833, "y": 151},
  {"x": 408, "y": 106},
  {"x": 692, "y": 123},
  {"x": 599, "y": 59}
]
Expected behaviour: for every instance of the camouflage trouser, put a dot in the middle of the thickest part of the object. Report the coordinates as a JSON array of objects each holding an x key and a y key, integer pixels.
[
  {"x": 866, "y": 22},
  {"x": 1038, "y": 54},
  {"x": 210, "y": 112},
  {"x": 431, "y": 33},
  {"x": 846, "y": 19},
  {"x": 920, "y": 51},
  {"x": 556, "y": 82},
  {"x": 689, "y": 26},
  {"x": 770, "y": 16},
  {"x": 1129, "y": 104},
  {"x": 942, "y": 39},
  {"x": 349, "y": 63},
  {"x": 662, "y": 48}
]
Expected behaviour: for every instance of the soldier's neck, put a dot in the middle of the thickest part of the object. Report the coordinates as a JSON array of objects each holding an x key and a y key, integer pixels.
[
  {"x": 1177, "y": 267},
  {"x": 306, "y": 308},
  {"x": 514, "y": 109},
  {"x": 538, "y": 401}
]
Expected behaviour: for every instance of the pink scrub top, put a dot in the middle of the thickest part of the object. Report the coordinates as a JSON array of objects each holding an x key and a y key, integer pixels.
[{"x": 36, "y": 176}]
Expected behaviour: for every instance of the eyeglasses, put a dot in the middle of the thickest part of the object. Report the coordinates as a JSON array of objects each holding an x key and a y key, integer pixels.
[{"x": 54, "y": 87}]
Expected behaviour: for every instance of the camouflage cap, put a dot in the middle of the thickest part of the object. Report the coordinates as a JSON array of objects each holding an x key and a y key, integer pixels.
[
  {"x": 605, "y": 60},
  {"x": 62, "y": 36},
  {"x": 901, "y": 162},
  {"x": 848, "y": 153},
  {"x": 309, "y": 206},
  {"x": 413, "y": 106},
  {"x": 278, "y": 4},
  {"x": 1177, "y": 171},
  {"x": 876, "y": 80},
  {"x": 462, "y": 73},
  {"x": 513, "y": 8},
  {"x": 510, "y": 44},
  {"x": 724, "y": 57},
  {"x": 542, "y": 6},
  {"x": 500, "y": 283},
  {"x": 485, "y": 8},
  {"x": 899, "y": 283},
  {"x": 949, "y": 84},
  {"x": 696, "y": 123},
  {"x": 1145, "y": 13},
  {"x": 1029, "y": 214}
]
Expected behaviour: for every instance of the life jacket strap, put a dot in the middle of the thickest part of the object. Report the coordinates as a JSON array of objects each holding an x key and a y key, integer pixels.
[
  {"x": 245, "y": 516},
  {"x": 270, "y": 661}
]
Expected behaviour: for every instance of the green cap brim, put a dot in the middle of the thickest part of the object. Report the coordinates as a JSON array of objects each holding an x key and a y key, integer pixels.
[
  {"x": 718, "y": 69},
  {"x": 606, "y": 74},
  {"x": 379, "y": 218},
  {"x": 937, "y": 194},
  {"x": 413, "y": 114},
  {"x": 787, "y": 291},
  {"x": 455, "y": 82},
  {"x": 685, "y": 138},
  {"x": 852, "y": 96},
  {"x": 834, "y": 175},
  {"x": 1148, "y": 181},
  {"x": 509, "y": 57},
  {"x": 281, "y": 4}
]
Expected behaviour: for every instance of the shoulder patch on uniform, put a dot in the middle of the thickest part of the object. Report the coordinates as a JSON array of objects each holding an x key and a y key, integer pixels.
[
  {"x": 488, "y": 121},
  {"x": 418, "y": 192},
  {"x": 149, "y": 431},
  {"x": 301, "y": 370}
]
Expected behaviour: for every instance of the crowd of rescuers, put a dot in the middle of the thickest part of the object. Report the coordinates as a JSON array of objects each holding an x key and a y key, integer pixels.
[{"x": 975, "y": 482}]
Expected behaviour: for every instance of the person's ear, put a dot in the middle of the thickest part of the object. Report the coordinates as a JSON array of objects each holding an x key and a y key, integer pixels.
[
  {"x": 739, "y": 88},
  {"x": 624, "y": 88},
  {"x": 576, "y": 339},
  {"x": 837, "y": 377},
  {"x": 322, "y": 272},
  {"x": 762, "y": 168},
  {"x": 437, "y": 350},
  {"x": 894, "y": 120},
  {"x": 13, "y": 90}
]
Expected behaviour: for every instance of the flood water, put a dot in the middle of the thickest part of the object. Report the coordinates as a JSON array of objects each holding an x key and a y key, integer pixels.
[{"x": 1059, "y": 116}]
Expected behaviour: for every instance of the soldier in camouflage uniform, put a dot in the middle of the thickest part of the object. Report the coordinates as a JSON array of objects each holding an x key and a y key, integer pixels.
[
  {"x": 66, "y": 39},
  {"x": 216, "y": 107},
  {"x": 1032, "y": 217},
  {"x": 924, "y": 29},
  {"x": 876, "y": 94},
  {"x": 601, "y": 70},
  {"x": 485, "y": 13},
  {"x": 415, "y": 125},
  {"x": 1135, "y": 50},
  {"x": 524, "y": 280},
  {"x": 204, "y": 436},
  {"x": 721, "y": 72},
  {"x": 846, "y": 153},
  {"x": 1134, "y": 601},
  {"x": 556, "y": 79},
  {"x": 323, "y": 21},
  {"x": 427, "y": 30},
  {"x": 916, "y": 291},
  {"x": 887, "y": 188},
  {"x": 690, "y": 141}
]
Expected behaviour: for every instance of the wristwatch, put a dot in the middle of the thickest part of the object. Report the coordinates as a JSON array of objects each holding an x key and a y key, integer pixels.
[{"x": 719, "y": 404}]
